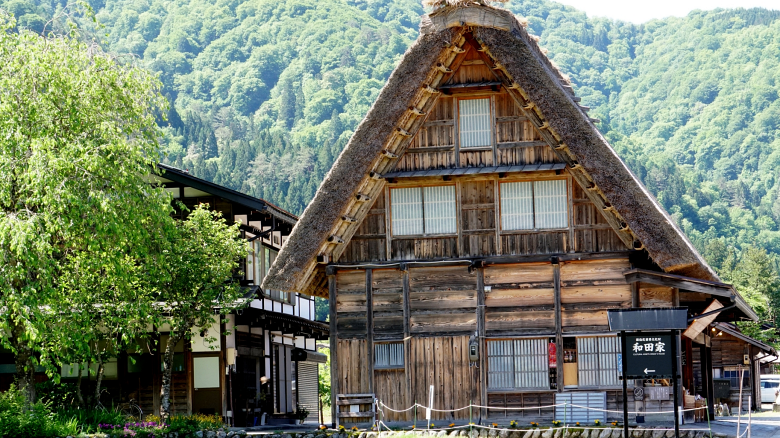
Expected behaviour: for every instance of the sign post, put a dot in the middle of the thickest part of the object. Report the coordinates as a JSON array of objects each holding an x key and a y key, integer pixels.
[{"x": 648, "y": 339}]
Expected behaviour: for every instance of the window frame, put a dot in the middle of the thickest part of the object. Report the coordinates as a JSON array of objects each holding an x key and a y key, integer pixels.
[
  {"x": 535, "y": 229},
  {"x": 425, "y": 233},
  {"x": 736, "y": 369},
  {"x": 491, "y": 123},
  {"x": 542, "y": 357},
  {"x": 390, "y": 366},
  {"x": 600, "y": 361},
  {"x": 265, "y": 258}
]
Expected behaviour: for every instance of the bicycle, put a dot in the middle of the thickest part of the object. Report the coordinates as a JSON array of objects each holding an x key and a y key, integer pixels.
[{"x": 131, "y": 410}]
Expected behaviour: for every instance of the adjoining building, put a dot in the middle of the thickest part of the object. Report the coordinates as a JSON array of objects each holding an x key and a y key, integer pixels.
[
  {"x": 476, "y": 229},
  {"x": 264, "y": 359}
]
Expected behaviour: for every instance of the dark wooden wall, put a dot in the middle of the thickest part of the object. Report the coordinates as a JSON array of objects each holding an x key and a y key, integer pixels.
[{"x": 479, "y": 232}]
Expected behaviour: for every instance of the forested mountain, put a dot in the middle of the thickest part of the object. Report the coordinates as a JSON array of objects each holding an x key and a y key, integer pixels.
[{"x": 265, "y": 94}]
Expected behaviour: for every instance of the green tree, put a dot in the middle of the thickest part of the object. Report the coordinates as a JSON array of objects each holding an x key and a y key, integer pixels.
[
  {"x": 196, "y": 282},
  {"x": 77, "y": 136}
]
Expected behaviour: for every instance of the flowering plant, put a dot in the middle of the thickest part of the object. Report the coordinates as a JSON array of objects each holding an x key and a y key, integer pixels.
[
  {"x": 452, "y": 424},
  {"x": 495, "y": 425},
  {"x": 556, "y": 422},
  {"x": 513, "y": 424},
  {"x": 534, "y": 424},
  {"x": 598, "y": 422},
  {"x": 148, "y": 429}
]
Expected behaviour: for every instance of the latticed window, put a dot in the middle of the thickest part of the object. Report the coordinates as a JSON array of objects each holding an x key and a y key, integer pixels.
[
  {"x": 423, "y": 210},
  {"x": 474, "y": 118},
  {"x": 390, "y": 355},
  {"x": 598, "y": 361},
  {"x": 517, "y": 208},
  {"x": 518, "y": 363},
  {"x": 550, "y": 204},
  {"x": 534, "y": 205}
]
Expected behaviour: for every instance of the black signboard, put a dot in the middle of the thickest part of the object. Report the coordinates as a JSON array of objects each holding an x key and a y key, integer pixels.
[{"x": 649, "y": 356}]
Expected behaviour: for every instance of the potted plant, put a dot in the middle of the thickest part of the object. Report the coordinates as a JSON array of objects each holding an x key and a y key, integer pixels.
[{"x": 300, "y": 413}]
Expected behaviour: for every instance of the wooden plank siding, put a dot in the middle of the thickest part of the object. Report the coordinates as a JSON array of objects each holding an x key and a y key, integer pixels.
[{"x": 479, "y": 231}]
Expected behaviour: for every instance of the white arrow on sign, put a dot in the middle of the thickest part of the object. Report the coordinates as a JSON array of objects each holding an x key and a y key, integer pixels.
[{"x": 649, "y": 371}]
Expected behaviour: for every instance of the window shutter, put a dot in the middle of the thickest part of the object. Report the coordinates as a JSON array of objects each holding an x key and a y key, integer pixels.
[
  {"x": 474, "y": 117},
  {"x": 550, "y": 204},
  {"x": 439, "y": 210},
  {"x": 406, "y": 208}
]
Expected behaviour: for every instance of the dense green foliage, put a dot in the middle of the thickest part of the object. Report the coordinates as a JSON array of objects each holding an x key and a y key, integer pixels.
[
  {"x": 194, "y": 280},
  {"x": 266, "y": 93},
  {"x": 77, "y": 137}
]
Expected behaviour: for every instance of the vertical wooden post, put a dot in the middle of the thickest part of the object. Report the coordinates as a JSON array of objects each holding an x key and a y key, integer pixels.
[
  {"x": 481, "y": 340},
  {"x": 675, "y": 297},
  {"x": 370, "y": 329},
  {"x": 558, "y": 323},
  {"x": 388, "y": 225},
  {"x": 334, "y": 362},
  {"x": 635, "y": 301},
  {"x": 676, "y": 381},
  {"x": 624, "y": 372},
  {"x": 455, "y": 129},
  {"x": 408, "y": 370},
  {"x": 497, "y": 209},
  {"x": 706, "y": 370}
]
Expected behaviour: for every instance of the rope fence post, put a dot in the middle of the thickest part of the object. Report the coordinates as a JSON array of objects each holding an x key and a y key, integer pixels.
[
  {"x": 415, "y": 416},
  {"x": 471, "y": 422},
  {"x": 707, "y": 410},
  {"x": 750, "y": 416}
]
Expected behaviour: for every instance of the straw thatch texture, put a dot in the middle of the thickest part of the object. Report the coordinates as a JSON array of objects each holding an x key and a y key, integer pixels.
[
  {"x": 525, "y": 62},
  {"x": 353, "y": 164},
  {"x": 667, "y": 245}
]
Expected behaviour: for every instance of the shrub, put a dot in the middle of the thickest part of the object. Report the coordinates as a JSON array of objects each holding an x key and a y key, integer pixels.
[{"x": 38, "y": 421}]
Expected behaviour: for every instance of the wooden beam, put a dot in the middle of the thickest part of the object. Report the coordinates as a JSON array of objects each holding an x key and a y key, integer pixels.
[
  {"x": 680, "y": 282},
  {"x": 635, "y": 300},
  {"x": 370, "y": 328},
  {"x": 334, "y": 361},
  {"x": 407, "y": 330},
  {"x": 558, "y": 326},
  {"x": 481, "y": 340},
  {"x": 521, "y": 144}
]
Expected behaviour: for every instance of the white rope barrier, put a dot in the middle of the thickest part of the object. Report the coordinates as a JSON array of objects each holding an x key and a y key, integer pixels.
[{"x": 565, "y": 405}]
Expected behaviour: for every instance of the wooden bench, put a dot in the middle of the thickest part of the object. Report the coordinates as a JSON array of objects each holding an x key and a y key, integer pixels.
[{"x": 354, "y": 407}]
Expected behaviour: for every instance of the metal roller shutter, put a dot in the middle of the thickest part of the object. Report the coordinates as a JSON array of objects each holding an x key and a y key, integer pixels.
[{"x": 308, "y": 389}]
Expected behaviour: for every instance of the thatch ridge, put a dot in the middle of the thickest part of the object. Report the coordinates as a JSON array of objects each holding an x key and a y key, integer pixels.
[
  {"x": 353, "y": 164},
  {"x": 525, "y": 61}
]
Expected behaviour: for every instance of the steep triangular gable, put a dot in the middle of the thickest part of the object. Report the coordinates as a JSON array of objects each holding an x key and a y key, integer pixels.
[{"x": 345, "y": 196}]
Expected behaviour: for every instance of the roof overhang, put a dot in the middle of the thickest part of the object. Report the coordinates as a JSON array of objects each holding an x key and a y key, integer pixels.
[
  {"x": 184, "y": 177},
  {"x": 689, "y": 284},
  {"x": 725, "y": 328}
]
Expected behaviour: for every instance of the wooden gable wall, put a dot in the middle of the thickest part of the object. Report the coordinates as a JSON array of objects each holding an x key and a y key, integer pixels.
[{"x": 479, "y": 219}]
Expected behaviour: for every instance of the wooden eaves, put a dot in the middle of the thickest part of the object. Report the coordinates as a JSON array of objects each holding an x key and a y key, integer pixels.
[{"x": 690, "y": 284}]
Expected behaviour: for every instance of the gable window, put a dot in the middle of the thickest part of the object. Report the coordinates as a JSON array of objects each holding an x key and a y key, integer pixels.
[
  {"x": 534, "y": 205},
  {"x": 475, "y": 123},
  {"x": 390, "y": 355},
  {"x": 423, "y": 210}
]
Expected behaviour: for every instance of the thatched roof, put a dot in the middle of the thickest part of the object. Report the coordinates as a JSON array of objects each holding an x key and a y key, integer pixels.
[{"x": 636, "y": 216}]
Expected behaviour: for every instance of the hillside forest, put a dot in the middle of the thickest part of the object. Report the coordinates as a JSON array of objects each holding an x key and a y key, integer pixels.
[{"x": 265, "y": 94}]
